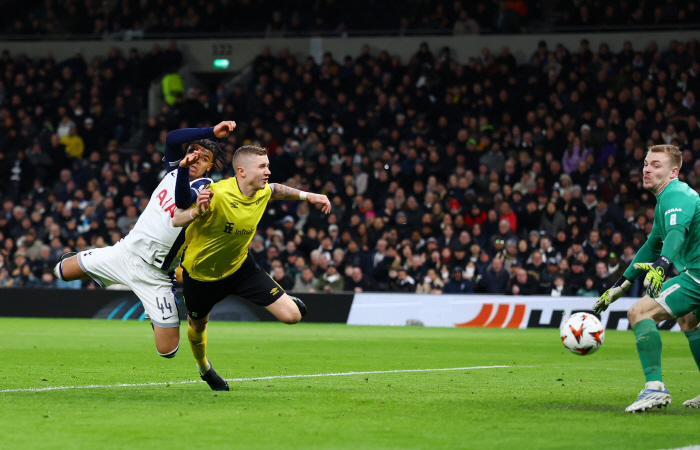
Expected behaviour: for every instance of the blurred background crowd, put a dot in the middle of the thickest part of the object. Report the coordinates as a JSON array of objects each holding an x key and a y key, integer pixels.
[
  {"x": 491, "y": 177},
  {"x": 138, "y": 19}
]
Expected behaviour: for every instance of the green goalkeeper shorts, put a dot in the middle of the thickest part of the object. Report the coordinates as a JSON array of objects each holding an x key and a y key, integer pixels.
[{"x": 681, "y": 295}]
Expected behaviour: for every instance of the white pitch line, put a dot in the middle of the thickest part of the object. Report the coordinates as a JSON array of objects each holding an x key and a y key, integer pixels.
[
  {"x": 91, "y": 386},
  {"x": 692, "y": 447}
]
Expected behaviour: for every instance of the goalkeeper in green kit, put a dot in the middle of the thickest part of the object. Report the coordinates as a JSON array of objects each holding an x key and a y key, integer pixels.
[{"x": 674, "y": 239}]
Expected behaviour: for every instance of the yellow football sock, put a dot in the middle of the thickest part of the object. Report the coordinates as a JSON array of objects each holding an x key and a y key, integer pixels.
[{"x": 198, "y": 343}]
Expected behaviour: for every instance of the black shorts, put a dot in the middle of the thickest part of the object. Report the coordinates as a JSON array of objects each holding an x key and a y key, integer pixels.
[{"x": 249, "y": 281}]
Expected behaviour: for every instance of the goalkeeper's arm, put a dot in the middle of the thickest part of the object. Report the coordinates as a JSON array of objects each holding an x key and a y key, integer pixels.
[
  {"x": 656, "y": 271},
  {"x": 649, "y": 251}
]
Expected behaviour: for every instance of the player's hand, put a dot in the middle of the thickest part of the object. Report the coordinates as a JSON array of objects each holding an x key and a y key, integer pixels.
[
  {"x": 607, "y": 298},
  {"x": 203, "y": 201},
  {"x": 320, "y": 199},
  {"x": 224, "y": 128},
  {"x": 656, "y": 272},
  {"x": 190, "y": 159}
]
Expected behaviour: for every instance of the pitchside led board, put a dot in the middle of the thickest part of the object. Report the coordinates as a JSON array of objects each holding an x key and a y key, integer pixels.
[{"x": 482, "y": 311}]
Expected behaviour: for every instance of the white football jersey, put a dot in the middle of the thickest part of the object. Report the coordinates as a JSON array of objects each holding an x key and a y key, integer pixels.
[{"x": 154, "y": 238}]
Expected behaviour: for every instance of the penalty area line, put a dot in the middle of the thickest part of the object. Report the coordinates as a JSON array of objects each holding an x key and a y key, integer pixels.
[{"x": 273, "y": 377}]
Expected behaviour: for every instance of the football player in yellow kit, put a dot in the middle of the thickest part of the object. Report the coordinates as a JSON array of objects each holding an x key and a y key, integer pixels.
[{"x": 216, "y": 263}]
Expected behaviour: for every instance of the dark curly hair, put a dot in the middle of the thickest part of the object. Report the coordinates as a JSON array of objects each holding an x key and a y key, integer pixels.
[{"x": 218, "y": 153}]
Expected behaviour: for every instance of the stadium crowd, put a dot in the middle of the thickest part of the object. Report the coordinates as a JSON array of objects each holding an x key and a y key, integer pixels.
[
  {"x": 491, "y": 177},
  {"x": 136, "y": 19}
]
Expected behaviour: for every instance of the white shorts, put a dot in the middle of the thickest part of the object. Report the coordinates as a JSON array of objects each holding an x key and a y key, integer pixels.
[{"x": 154, "y": 287}]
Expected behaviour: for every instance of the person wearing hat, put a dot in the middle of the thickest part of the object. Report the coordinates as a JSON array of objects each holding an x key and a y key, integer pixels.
[
  {"x": 509, "y": 254},
  {"x": 615, "y": 267},
  {"x": 548, "y": 274},
  {"x": 90, "y": 135},
  {"x": 475, "y": 215},
  {"x": 457, "y": 284}
]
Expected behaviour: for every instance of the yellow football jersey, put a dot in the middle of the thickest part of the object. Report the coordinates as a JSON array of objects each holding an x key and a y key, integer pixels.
[{"x": 217, "y": 244}]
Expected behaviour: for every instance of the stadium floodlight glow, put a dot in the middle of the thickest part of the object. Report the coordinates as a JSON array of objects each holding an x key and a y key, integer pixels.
[{"x": 221, "y": 63}]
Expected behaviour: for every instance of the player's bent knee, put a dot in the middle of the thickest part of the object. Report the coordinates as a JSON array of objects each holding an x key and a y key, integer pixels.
[
  {"x": 687, "y": 322},
  {"x": 168, "y": 354},
  {"x": 198, "y": 325},
  {"x": 290, "y": 317},
  {"x": 631, "y": 315}
]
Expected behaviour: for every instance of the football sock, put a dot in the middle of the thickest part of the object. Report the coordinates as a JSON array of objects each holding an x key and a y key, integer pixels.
[
  {"x": 198, "y": 344},
  {"x": 58, "y": 271},
  {"x": 694, "y": 341},
  {"x": 649, "y": 348},
  {"x": 655, "y": 385}
]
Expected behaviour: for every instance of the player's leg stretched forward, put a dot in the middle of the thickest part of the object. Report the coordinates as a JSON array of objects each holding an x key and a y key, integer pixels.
[
  {"x": 689, "y": 325},
  {"x": 643, "y": 317},
  {"x": 167, "y": 339},
  {"x": 286, "y": 309}
]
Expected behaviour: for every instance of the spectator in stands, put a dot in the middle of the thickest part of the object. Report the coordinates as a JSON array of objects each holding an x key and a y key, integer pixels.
[
  {"x": 602, "y": 277},
  {"x": 495, "y": 278},
  {"x": 457, "y": 284},
  {"x": 548, "y": 275},
  {"x": 430, "y": 167},
  {"x": 404, "y": 282},
  {"x": 521, "y": 284},
  {"x": 306, "y": 282},
  {"x": 431, "y": 283},
  {"x": 358, "y": 282},
  {"x": 558, "y": 287},
  {"x": 588, "y": 289},
  {"x": 282, "y": 279},
  {"x": 331, "y": 280}
]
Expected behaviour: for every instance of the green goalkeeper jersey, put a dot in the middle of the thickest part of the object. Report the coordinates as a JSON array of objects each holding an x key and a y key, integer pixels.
[{"x": 678, "y": 206}]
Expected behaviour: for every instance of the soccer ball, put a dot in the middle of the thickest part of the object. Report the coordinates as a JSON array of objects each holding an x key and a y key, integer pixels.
[{"x": 582, "y": 333}]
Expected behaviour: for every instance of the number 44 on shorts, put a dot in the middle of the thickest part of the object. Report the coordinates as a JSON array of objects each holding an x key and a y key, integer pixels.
[{"x": 164, "y": 306}]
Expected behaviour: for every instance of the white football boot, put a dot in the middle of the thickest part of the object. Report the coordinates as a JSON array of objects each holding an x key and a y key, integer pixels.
[
  {"x": 653, "y": 395},
  {"x": 692, "y": 403}
]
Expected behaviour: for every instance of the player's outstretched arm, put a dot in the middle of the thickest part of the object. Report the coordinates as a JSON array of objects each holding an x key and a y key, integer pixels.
[
  {"x": 184, "y": 217},
  {"x": 611, "y": 295},
  {"x": 185, "y": 135},
  {"x": 282, "y": 192}
]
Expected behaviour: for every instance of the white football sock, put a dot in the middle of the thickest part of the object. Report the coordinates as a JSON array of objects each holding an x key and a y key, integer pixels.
[
  {"x": 655, "y": 385},
  {"x": 203, "y": 370}
]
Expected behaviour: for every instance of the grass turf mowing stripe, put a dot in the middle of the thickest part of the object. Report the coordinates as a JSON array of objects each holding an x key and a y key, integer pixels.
[{"x": 315, "y": 375}]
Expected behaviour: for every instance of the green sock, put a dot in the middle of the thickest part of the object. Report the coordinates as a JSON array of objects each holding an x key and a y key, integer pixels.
[
  {"x": 694, "y": 342},
  {"x": 649, "y": 348}
]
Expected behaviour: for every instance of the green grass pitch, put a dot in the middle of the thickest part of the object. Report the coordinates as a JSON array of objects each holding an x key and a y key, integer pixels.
[{"x": 545, "y": 398}]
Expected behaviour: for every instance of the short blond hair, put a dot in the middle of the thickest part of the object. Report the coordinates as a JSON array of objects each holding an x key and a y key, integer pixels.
[
  {"x": 247, "y": 150},
  {"x": 672, "y": 151}
]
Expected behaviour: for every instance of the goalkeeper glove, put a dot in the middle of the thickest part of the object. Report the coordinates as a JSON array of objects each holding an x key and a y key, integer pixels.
[
  {"x": 656, "y": 272},
  {"x": 611, "y": 295}
]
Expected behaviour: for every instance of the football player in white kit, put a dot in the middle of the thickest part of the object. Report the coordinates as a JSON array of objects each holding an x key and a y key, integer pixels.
[{"x": 145, "y": 259}]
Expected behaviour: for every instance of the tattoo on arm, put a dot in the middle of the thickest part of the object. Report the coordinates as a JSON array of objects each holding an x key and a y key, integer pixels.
[{"x": 282, "y": 192}]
